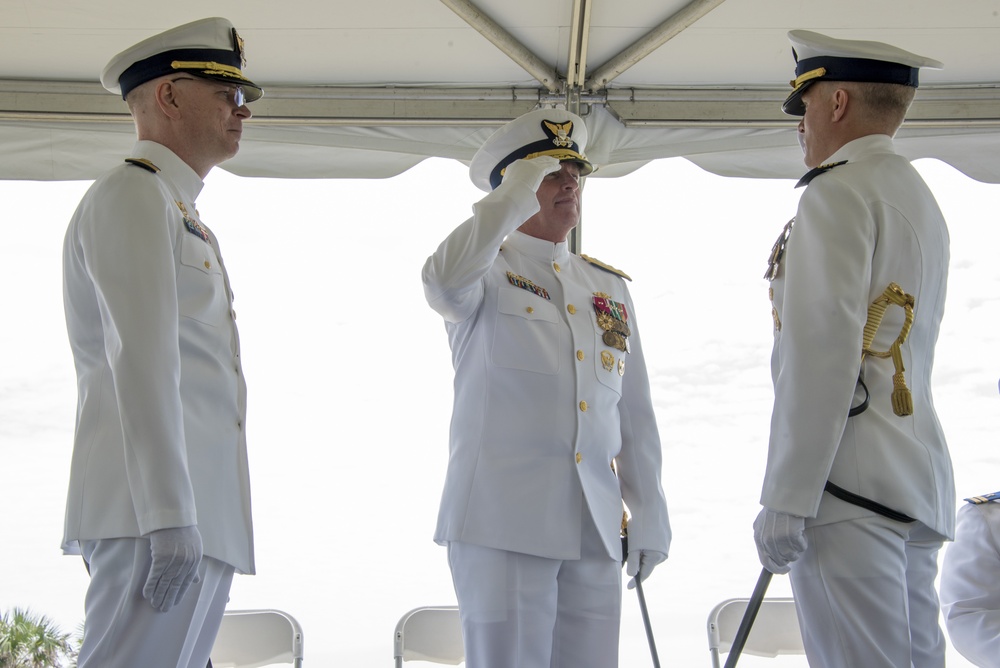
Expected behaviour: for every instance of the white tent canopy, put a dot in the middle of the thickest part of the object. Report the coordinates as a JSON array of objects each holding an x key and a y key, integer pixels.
[{"x": 370, "y": 88}]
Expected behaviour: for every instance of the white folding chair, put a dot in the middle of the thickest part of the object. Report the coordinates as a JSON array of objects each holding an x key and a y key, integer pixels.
[
  {"x": 256, "y": 638},
  {"x": 429, "y": 633},
  {"x": 775, "y": 631}
]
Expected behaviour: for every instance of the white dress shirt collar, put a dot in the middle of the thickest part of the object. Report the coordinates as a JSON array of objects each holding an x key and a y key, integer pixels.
[
  {"x": 536, "y": 248},
  {"x": 861, "y": 146},
  {"x": 178, "y": 172}
]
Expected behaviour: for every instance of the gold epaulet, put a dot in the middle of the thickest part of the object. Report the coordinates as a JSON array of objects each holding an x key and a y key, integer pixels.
[
  {"x": 605, "y": 267},
  {"x": 144, "y": 163}
]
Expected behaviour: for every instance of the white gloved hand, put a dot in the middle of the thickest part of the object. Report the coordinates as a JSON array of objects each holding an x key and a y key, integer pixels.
[
  {"x": 530, "y": 172},
  {"x": 641, "y": 563},
  {"x": 780, "y": 539},
  {"x": 176, "y": 555}
]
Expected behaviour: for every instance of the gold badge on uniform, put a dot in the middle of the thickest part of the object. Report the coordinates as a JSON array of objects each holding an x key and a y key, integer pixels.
[
  {"x": 621, "y": 367},
  {"x": 607, "y": 360},
  {"x": 612, "y": 317},
  {"x": 560, "y": 132}
]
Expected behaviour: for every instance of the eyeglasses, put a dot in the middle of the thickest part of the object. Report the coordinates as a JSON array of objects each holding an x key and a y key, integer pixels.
[{"x": 235, "y": 94}]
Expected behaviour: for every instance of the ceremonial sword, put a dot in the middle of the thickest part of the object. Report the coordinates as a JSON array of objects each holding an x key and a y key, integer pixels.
[
  {"x": 749, "y": 615},
  {"x": 645, "y": 621},
  {"x": 642, "y": 599}
]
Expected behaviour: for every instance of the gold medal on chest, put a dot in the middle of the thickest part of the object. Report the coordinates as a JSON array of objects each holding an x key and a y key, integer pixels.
[
  {"x": 778, "y": 251},
  {"x": 612, "y": 317}
]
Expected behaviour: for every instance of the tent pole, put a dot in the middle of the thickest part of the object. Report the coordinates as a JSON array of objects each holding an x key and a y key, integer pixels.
[
  {"x": 506, "y": 42},
  {"x": 653, "y": 40}
]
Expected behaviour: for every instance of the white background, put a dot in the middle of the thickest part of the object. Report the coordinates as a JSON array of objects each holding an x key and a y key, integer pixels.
[{"x": 349, "y": 376}]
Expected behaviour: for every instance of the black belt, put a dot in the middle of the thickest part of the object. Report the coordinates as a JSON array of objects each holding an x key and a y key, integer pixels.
[
  {"x": 868, "y": 504},
  {"x": 856, "y": 499},
  {"x": 863, "y": 406}
]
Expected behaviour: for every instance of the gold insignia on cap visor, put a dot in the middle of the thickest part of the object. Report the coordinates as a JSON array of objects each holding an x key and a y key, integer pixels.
[{"x": 562, "y": 155}]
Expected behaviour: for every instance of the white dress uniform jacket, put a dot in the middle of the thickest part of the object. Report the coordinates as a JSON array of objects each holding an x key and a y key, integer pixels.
[
  {"x": 160, "y": 437},
  {"x": 859, "y": 227},
  {"x": 970, "y": 585},
  {"x": 542, "y": 404}
]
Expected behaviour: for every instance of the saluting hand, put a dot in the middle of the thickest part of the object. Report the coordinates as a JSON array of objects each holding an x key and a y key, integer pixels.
[{"x": 530, "y": 172}]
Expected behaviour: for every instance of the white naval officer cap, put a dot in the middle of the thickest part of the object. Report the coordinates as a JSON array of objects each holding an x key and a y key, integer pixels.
[
  {"x": 555, "y": 132},
  {"x": 819, "y": 57},
  {"x": 209, "y": 48}
]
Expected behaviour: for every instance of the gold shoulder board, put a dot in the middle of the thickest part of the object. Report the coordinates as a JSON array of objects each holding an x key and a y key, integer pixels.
[
  {"x": 985, "y": 498},
  {"x": 606, "y": 267}
]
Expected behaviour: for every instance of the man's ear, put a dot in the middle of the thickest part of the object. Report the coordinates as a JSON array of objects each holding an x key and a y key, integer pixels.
[
  {"x": 166, "y": 96},
  {"x": 841, "y": 100}
]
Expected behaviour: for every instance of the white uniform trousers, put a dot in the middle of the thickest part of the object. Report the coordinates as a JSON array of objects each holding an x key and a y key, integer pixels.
[
  {"x": 524, "y": 611},
  {"x": 865, "y": 595},
  {"x": 122, "y": 629}
]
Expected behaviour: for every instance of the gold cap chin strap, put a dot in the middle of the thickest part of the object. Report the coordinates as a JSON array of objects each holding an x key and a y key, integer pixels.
[
  {"x": 902, "y": 400},
  {"x": 808, "y": 76},
  {"x": 209, "y": 67}
]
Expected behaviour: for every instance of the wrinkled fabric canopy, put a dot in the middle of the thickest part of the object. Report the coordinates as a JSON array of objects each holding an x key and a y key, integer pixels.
[{"x": 369, "y": 89}]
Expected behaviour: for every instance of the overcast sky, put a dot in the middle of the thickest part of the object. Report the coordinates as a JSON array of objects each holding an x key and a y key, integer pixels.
[{"x": 349, "y": 376}]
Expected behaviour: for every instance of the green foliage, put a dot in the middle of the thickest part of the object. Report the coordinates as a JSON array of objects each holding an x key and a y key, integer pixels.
[{"x": 28, "y": 640}]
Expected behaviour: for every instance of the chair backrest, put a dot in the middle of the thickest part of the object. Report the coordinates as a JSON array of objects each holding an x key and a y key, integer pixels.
[
  {"x": 775, "y": 630},
  {"x": 429, "y": 633},
  {"x": 255, "y": 638}
]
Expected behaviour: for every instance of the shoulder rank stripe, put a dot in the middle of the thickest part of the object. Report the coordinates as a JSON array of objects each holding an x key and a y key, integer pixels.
[
  {"x": 985, "y": 498},
  {"x": 606, "y": 267},
  {"x": 816, "y": 171},
  {"x": 144, "y": 163},
  {"x": 525, "y": 284}
]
